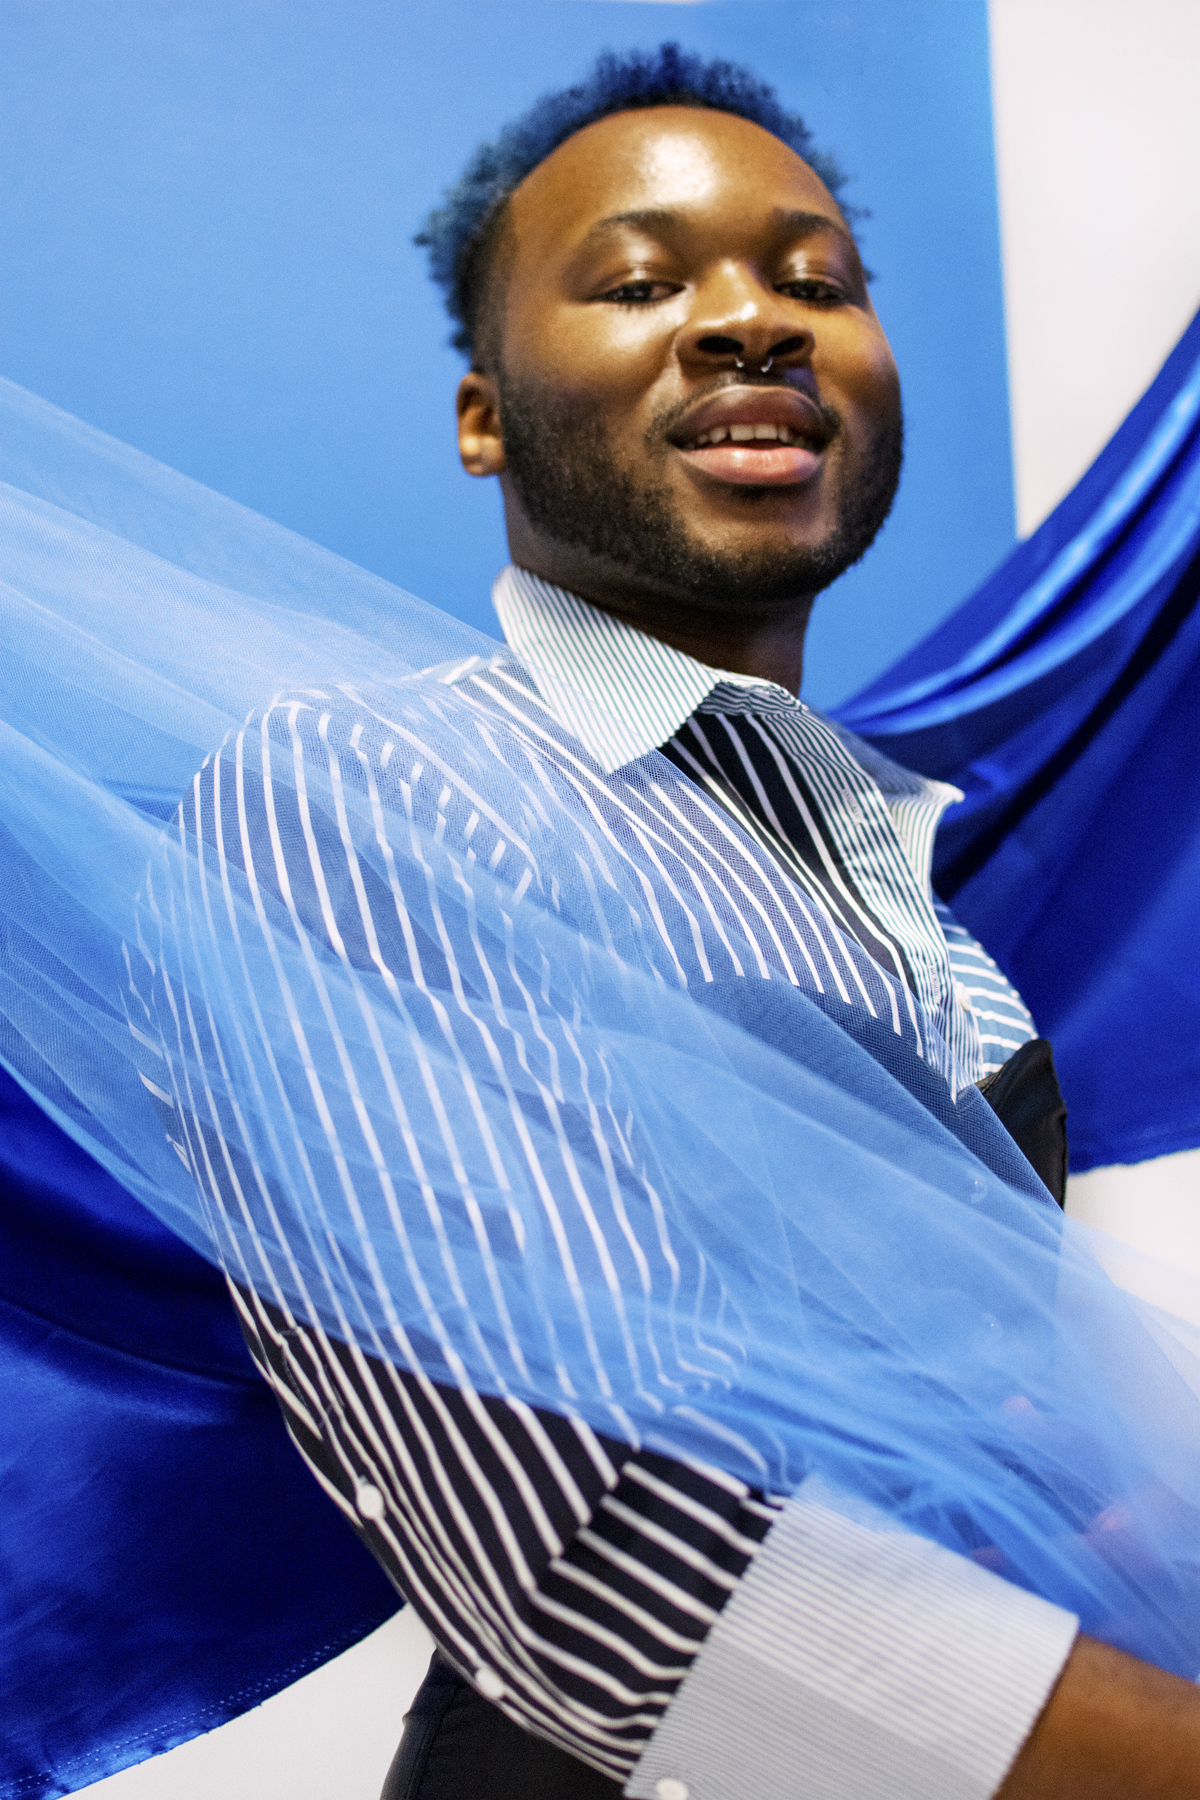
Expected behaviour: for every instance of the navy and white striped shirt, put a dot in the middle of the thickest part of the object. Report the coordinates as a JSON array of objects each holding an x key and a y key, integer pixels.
[
  {"x": 854, "y": 830},
  {"x": 654, "y": 1616}
]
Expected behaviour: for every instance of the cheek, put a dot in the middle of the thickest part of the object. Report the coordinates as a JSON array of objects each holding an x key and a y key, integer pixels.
[
  {"x": 857, "y": 364},
  {"x": 602, "y": 356}
]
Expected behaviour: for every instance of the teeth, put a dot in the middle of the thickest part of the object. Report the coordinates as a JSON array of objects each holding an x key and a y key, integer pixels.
[{"x": 746, "y": 434}]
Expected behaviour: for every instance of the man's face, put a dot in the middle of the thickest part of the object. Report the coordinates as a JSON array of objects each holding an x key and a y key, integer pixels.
[{"x": 697, "y": 404}]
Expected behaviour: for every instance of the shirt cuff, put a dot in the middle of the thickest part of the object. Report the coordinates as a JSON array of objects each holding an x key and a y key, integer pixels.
[{"x": 855, "y": 1661}]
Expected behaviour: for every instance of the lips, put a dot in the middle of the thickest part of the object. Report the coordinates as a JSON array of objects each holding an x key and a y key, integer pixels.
[{"x": 754, "y": 437}]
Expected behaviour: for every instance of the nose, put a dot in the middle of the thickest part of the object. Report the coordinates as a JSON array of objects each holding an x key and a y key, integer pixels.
[
  {"x": 738, "y": 321},
  {"x": 720, "y": 348}
]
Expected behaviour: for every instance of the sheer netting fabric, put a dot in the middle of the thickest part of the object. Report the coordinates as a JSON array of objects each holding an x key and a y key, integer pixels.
[{"x": 534, "y": 1081}]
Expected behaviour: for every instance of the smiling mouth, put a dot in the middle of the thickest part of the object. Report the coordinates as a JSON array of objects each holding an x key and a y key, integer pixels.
[
  {"x": 756, "y": 437},
  {"x": 758, "y": 455}
]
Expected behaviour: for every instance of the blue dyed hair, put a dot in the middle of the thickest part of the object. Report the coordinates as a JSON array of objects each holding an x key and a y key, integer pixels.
[{"x": 463, "y": 234}]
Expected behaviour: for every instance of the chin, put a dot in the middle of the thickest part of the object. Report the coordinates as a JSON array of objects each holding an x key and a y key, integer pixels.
[
  {"x": 762, "y": 540},
  {"x": 792, "y": 518}
]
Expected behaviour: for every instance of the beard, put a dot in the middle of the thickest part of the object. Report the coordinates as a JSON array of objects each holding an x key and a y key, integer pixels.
[{"x": 575, "y": 491}]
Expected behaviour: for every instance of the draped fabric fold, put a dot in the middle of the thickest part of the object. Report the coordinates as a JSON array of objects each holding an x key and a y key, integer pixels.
[
  {"x": 1062, "y": 698},
  {"x": 168, "y": 1562},
  {"x": 545, "y": 1083}
]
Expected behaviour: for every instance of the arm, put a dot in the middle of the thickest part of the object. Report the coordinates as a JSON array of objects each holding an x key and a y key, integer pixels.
[
  {"x": 1113, "y": 1729},
  {"x": 657, "y": 1620},
  {"x": 679, "y": 1634},
  {"x": 572, "y": 1579},
  {"x": 865, "y": 1664}
]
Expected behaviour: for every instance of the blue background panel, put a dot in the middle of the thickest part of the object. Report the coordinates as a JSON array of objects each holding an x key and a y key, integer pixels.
[{"x": 208, "y": 208}]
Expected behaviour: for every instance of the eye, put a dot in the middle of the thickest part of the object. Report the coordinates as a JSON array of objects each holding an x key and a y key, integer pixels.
[
  {"x": 813, "y": 291},
  {"x": 640, "y": 293}
]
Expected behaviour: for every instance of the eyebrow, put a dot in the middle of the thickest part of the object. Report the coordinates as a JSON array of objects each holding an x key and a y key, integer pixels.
[{"x": 658, "y": 218}]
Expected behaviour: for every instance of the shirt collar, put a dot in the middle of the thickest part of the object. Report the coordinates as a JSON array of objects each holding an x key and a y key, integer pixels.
[{"x": 621, "y": 692}]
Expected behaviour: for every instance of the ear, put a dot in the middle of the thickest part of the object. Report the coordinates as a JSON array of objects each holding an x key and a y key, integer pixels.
[{"x": 480, "y": 443}]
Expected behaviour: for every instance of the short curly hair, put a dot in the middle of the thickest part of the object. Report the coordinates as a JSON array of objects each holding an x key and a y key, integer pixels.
[{"x": 465, "y": 232}]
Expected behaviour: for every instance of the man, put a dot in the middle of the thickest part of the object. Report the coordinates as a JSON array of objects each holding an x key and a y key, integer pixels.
[{"x": 680, "y": 381}]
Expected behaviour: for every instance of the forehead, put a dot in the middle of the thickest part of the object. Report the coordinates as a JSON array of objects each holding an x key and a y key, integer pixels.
[{"x": 686, "y": 159}]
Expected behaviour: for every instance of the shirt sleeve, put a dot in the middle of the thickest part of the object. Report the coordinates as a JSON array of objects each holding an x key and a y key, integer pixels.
[
  {"x": 657, "y": 1619},
  {"x": 858, "y": 1663},
  {"x": 571, "y": 1578}
]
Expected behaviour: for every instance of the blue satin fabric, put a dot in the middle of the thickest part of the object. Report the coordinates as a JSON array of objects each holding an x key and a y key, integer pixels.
[
  {"x": 167, "y": 1560},
  {"x": 1063, "y": 698}
]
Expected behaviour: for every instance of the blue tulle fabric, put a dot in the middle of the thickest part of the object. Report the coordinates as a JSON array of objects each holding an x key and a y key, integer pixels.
[
  {"x": 540, "y": 1121},
  {"x": 1062, "y": 698}
]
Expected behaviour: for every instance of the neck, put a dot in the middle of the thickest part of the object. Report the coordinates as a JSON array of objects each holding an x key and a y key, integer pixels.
[{"x": 766, "y": 641}]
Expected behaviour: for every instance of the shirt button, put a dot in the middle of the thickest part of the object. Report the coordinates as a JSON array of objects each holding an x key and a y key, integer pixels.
[
  {"x": 671, "y": 1788},
  {"x": 369, "y": 1501},
  {"x": 489, "y": 1683},
  {"x": 963, "y": 998}
]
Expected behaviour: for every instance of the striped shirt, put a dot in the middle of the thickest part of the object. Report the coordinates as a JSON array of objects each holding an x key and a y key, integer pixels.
[
  {"x": 652, "y": 1615},
  {"x": 854, "y": 830}
]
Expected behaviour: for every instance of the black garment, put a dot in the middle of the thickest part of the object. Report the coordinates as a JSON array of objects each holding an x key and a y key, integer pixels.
[
  {"x": 1027, "y": 1100},
  {"x": 457, "y": 1746}
]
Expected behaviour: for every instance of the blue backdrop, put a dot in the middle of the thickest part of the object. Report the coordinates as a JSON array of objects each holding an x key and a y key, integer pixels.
[{"x": 207, "y": 211}]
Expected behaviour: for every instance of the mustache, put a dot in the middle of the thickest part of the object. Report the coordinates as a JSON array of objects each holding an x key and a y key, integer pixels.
[{"x": 665, "y": 421}]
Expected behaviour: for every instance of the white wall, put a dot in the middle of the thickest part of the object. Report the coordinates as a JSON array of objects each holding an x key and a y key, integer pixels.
[
  {"x": 1098, "y": 147},
  {"x": 331, "y": 1736}
]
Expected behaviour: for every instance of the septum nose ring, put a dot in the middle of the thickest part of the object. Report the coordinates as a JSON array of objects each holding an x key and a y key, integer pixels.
[{"x": 762, "y": 367}]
